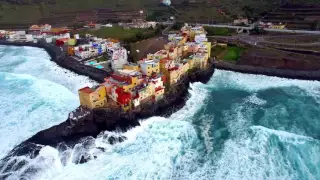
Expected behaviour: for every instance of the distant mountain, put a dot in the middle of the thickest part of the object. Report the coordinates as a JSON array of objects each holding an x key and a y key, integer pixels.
[{"x": 33, "y": 11}]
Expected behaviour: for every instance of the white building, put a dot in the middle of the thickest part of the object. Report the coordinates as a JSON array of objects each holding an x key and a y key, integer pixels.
[
  {"x": 147, "y": 64},
  {"x": 200, "y": 38},
  {"x": 119, "y": 58}
]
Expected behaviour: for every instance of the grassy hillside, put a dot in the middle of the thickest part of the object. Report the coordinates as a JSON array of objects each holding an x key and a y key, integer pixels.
[{"x": 31, "y": 11}]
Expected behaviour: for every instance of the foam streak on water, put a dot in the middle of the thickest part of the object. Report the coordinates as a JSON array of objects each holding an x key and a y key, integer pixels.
[
  {"x": 35, "y": 94},
  {"x": 237, "y": 126}
]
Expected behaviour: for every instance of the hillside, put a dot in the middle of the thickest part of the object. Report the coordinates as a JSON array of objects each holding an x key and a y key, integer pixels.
[{"x": 35, "y": 11}]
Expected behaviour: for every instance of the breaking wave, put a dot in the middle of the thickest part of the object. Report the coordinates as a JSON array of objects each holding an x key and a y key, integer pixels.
[{"x": 34, "y": 94}]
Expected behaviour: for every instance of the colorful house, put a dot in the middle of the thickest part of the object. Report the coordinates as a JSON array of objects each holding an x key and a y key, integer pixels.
[
  {"x": 278, "y": 26},
  {"x": 93, "y": 97},
  {"x": 161, "y": 54},
  {"x": 131, "y": 66},
  {"x": 122, "y": 98},
  {"x": 71, "y": 51},
  {"x": 192, "y": 47},
  {"x": 200, "y": 60},
  {"x": 149, "y": 67}
]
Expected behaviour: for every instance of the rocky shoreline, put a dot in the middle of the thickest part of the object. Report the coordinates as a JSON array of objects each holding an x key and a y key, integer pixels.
[{"x": 283, "y": 73}]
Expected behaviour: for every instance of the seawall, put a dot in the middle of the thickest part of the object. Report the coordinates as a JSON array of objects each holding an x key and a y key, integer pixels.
[
  {"x": 64, "y": 61},
  {"x": 284, "y": 73}
]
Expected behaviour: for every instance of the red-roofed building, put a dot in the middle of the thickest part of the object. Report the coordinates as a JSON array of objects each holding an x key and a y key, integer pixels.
[
  {"x": 121, "y": 97},
  {"x": 93, "y": 26}
]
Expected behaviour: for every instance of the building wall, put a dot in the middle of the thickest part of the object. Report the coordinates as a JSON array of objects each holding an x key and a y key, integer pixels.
[
  {"x": 208, "y": 44},
  {"x": 191, "y": 63},
  {"x": 173, "y": 54},
  {"x": 134, "y": 82},
  {"x": 148, "y": 69},
  {"x": 159, "y": 94},
  {"x": 131, "y": 67},
  {"x": 278, "y": 26},
  {"x": 95, "y": 99},
  {"x": 173, "y": 77},
  {"x": 184, "y": 68}
]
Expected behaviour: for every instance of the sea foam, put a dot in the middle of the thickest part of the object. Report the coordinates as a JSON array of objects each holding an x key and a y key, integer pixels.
[{"x": 36, "y": 94}]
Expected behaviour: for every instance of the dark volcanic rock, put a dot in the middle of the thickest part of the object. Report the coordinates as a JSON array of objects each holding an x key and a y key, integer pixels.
[{"x": 285, "y": 73}]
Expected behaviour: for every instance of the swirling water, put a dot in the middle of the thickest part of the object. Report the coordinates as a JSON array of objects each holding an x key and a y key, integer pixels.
[
  {"x": 35, "y": 94},
  {"x": 237, "y": 126}
]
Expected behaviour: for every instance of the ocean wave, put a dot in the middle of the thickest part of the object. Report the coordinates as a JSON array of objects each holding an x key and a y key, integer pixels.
[
  {"x": 36, "y": 93},
  {"x": 30, "y": 105}
]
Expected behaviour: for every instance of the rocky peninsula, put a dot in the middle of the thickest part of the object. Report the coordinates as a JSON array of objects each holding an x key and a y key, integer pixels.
[{"x": 84, "y": 122}]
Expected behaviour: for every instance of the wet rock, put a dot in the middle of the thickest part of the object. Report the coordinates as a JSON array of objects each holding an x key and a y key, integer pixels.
[
  {"x": 101, "y": 149},
  {"x": 84, "y": 159}
]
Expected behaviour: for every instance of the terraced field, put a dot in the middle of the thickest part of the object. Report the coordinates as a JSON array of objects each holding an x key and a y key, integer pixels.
[{"x": 307, "y": 18}]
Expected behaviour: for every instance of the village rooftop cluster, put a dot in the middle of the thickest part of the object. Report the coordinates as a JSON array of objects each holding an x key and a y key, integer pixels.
[
  {"x": 133, "y": 84},
  {"x": 89, "y": 50}
]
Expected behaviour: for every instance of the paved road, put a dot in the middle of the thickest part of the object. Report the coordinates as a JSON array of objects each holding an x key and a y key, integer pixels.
[
  {"x": 266, "y": 29},
  {"x": 225, "y": 26}
]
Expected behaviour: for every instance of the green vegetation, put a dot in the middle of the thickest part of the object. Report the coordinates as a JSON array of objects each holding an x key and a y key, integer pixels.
[
  {"x": 12, "y": 11},
  {"x": 230, "y": 53},
  {"x": 101, "y": 59},
  {"x": 177, "y": 26},
  {"x": 216, "y": 51},
  {"x": 202, "y": 14},
  {"x": 216, "y": 31},
  {"x": 122, "y": 34},
  {"x": 112, "y": 32},
  {"x": 233, "y": 53}
]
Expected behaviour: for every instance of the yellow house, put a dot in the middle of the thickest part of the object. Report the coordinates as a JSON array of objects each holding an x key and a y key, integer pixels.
[
  {"x": 208, "y": 44},
  {"x": 173, "y": 53},
  {"x": 190, "y": 62},
  {"x": 134, "y": 82},
  {"x": 200, "y": 60},
  {"x": 172, "y": 76},
  {"x": 278, "y": 26},
  {"x": 183, "y": 40},
  {"x": 150, "y": 67},
  {"x": 131, "y": 66},
  {"x": 71, "y": 51},
  {"x": 92, "y": 98},
  {"x": 158, "y": 94},
  {"x": 184, "y": 68},
  {"x": 142, "y": 93},
  {"x": 161, "y": 54},
  {"x": 150, "y": 56}
]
